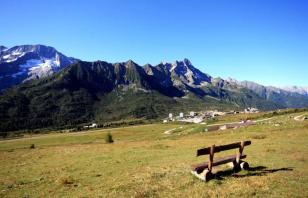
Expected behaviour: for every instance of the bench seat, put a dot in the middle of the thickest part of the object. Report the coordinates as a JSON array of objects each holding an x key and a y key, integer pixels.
[{"x": 200, "y": 167}]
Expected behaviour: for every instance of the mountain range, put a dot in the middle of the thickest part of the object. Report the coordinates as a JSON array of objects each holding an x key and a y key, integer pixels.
[
  {"x": 288, "y": 97},
  {"x": 43, "y": 88}
]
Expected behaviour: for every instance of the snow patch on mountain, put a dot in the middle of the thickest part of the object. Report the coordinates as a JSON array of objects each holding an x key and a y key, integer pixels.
[
  {"x": 11, "y": 57},
  {"x": 6, "y": 56},
  {"x": 44, "y": 67}
]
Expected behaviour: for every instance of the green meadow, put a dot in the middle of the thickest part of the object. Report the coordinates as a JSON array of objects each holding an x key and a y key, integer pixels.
[{"x": 144, "y": 161}]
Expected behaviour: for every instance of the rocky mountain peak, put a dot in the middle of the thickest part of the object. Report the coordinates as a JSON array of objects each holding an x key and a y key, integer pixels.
[
  {"x": 189, "y": 74},
  {"x": 187, "y": 62},
  {"x": 184, "y": 65},
  {"x": 130, "y": 64},
  {"x": 2, "y": 48}
]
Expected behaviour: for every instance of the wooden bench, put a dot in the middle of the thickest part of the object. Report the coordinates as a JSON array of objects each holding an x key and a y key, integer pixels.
[{"x": 204, "y": 170}]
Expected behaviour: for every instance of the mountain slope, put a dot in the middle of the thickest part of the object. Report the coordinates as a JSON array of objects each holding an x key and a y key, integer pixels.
[
  {"x": 291, "y": 98},
  {"x": 296, "y": 89},
  {"x": 100, "y": 91},
  {"x": 26, "y": 62}
]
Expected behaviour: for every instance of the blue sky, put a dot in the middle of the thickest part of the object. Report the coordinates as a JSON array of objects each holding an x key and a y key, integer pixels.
[{"x": 265, "y": 41}]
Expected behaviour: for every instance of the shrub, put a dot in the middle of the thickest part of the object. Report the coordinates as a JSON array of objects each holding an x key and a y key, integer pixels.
[
  {"x": 108, "y": 138},
  {"x": 258, "y": 137},
  {"x": 4, "y": 134},
  {"x": 67, "y": 180}
]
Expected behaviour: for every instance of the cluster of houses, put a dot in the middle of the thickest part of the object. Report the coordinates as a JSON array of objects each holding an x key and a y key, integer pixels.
[
  {"x": 93, "y": 125},
  {"x": 199, "y": 117},
  {"x": 190, "y": 117},
  {"x": 251, "y": 110}
]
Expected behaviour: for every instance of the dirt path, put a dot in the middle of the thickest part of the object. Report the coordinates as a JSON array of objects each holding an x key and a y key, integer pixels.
[
  {"x": 228, "y": 123},
  {"x": 170, "y": 130},
  {"x": 298, "y": 118},
  {"x": 263, "y": 120}
]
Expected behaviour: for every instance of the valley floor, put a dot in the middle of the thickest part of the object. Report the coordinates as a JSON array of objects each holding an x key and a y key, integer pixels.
[{"x": 146, "y": 162}]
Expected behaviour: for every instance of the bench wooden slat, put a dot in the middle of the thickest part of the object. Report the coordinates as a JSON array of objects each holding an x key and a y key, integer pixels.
[
  {"x": 206, "y": 151},
  {"x": 200, "y": 167}
]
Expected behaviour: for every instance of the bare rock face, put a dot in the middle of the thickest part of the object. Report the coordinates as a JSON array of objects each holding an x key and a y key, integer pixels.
[{"x": 189, "y": 74}]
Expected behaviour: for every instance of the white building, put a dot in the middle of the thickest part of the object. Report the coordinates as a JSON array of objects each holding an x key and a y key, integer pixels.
[
  {"x": 223, "y": 127},
  {"x": 251, "y": 110},
  {"x": 93, "y": 125},
  {"x": 170, "y": 116},
  {"x": 192, "y": 113},
  {"x": 181, "y": 115}
]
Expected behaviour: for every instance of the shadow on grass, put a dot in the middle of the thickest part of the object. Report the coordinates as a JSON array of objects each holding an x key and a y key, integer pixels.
[{"x": 253, "y": 171}]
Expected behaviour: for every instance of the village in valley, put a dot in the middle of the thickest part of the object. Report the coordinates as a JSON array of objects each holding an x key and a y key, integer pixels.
[{"x": 201, "y": 116}]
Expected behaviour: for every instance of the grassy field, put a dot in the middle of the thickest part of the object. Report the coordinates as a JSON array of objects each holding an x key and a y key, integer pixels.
[{"x": 145, "y": 162}]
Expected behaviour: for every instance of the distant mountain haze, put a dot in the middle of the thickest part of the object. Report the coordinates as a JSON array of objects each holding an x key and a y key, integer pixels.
[{"x": 294, "y": 97}]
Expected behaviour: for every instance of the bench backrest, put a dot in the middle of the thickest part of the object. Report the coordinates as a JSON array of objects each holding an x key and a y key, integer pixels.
[{"x": 207, "y": 150}]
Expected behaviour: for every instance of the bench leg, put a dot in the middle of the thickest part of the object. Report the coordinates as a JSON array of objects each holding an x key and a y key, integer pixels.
[
  {"x": 244, "y": 165},
  {"x": 235, "y": 166},
  {"x": 207, "y": 174}
]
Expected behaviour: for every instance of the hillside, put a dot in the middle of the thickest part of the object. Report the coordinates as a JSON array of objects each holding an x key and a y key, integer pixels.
[
  {"x": 100, "y": 91},
  {"x": 291, "y": 97}
]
